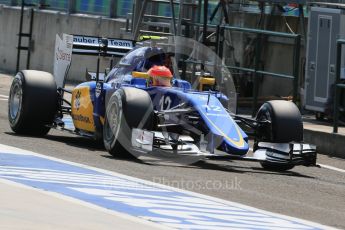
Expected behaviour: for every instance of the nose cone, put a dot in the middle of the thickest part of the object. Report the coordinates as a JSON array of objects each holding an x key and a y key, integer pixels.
[
  {"x": 236, "y": 143},
  {"x": 220, "y": 123}
]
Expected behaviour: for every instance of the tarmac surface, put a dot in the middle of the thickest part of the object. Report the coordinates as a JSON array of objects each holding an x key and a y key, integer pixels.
[{"x": 314, "y": 194}]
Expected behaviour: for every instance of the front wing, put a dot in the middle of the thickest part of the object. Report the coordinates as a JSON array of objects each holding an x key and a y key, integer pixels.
[{"x": 275, "y": 153}]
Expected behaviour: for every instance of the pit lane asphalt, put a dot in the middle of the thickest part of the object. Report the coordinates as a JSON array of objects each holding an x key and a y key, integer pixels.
[{"x": 315, "y": 194}]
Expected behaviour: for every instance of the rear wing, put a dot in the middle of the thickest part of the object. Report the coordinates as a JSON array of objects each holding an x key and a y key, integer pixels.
[{"x": 85, "y": 45}]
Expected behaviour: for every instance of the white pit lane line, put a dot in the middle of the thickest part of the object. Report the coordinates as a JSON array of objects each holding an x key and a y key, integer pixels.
[
  {"x": 332, "y": 168},
  {"x": 146, "y": 200}
]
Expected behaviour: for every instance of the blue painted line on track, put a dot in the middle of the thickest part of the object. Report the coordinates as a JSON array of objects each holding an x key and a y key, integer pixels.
[{"x": 169, "y": 207}]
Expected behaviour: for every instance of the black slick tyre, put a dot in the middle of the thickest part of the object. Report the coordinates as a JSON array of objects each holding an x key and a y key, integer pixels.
[
  {"x": 32, "y": 102},
  {"x": 127, "y": 108},
  {"x": 286, "y": 126}
]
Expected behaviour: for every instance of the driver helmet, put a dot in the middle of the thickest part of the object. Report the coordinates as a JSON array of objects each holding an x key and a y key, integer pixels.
[{"x": 160, "y": 76}]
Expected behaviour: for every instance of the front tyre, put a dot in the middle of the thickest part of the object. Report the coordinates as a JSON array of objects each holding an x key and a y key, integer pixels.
[
  {"x": 127, "y": 108},
  {"x": 286, "y": 126},
  {"x": 32, "y": 102}
]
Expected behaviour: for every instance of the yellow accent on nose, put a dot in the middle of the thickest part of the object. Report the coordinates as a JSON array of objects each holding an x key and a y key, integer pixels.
[{"x": 239, "y": 143}]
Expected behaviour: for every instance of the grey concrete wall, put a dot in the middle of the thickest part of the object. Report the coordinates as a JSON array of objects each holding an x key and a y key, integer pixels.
[
  {"x": 327, "y": 143},
  {"x": 46, "y": 25}
]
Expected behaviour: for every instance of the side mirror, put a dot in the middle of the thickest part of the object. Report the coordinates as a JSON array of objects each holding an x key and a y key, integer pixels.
[
  {"x": 144, "y": 75},
  {"x": 206, "y": 83}
]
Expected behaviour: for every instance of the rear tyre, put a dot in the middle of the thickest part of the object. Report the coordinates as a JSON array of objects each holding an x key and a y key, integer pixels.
[
  {"x": 127, "y": 108},
  {"x": 32, "y": 102},
  {"x": 286, "y": 126}
]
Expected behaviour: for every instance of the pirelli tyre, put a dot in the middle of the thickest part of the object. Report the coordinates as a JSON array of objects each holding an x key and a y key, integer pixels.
[
  {"x": 126, "y": 109},
  {"x": 32, "y": 102},
  {"x": 286, "y": 126}
]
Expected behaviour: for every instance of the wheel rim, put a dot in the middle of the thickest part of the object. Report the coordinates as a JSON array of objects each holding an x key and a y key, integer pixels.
[
  {"x": 266, "y": 116},
  {"x": 113, "y": 122},
  {"x": 15, "y": 101}
]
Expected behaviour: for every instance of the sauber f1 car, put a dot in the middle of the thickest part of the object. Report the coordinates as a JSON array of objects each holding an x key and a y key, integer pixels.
[{"x": 131, "y": 115}]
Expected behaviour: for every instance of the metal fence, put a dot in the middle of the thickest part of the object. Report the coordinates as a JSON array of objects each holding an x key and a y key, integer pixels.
[{"x": 256, "y": 71}]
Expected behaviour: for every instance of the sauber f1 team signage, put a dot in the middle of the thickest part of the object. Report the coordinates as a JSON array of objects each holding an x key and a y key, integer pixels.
[{"x": 115, "y": 43}]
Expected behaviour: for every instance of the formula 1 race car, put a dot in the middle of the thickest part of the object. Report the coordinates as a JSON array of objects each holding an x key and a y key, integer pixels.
[{"x": 133, "y": 115}]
